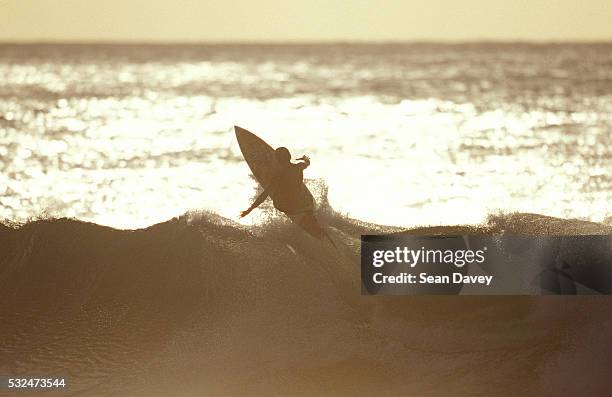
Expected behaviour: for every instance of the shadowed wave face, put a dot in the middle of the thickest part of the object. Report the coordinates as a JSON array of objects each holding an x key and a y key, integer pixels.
[{"x": 201, "y": 305}]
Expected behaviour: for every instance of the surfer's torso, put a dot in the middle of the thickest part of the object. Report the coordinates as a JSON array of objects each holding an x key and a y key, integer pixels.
[{"x": 289, "y": 193}]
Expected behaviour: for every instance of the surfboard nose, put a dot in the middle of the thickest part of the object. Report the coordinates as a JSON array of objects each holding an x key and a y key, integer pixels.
[{"x": 239, "y": 131}]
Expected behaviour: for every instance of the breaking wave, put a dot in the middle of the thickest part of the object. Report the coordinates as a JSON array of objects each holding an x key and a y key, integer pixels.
[{"x": 201, "y": 304}]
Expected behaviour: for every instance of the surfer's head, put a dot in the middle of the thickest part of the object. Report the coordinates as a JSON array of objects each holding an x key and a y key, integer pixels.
[{"x": 282, "y": 154}]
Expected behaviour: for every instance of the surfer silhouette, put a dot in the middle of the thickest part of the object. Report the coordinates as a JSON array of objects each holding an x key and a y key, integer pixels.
[
  {"x": 287, "y": 190},
  {"x": 282, "y": 180}
]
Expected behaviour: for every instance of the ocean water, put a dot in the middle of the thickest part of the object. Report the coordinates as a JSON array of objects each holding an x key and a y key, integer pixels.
[
  {"x": 399, "y": 134},
  {"x": 406, "y": 135},
  {"x": 201, "y": 306}
]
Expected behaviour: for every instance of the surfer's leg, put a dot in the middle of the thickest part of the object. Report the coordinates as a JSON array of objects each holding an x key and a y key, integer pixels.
[
  {"x": 311, "y": 224},
  {"x": 296, "y": 218},
  {"x": 307, "y": 221}
]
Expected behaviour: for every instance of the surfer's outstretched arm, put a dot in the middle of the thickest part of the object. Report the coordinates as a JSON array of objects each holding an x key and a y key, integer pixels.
[
  {"x": 260, "y": 199},
  {"x": 305, "y": 162}
]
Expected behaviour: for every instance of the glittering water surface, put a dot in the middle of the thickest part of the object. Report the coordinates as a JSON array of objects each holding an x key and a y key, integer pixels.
[{"x": 401, "y": 134}]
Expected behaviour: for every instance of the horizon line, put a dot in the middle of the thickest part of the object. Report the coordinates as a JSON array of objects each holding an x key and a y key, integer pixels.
[{"x": 304, "y": 42}]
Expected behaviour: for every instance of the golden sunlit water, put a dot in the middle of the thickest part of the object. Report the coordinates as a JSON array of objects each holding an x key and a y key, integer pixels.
[{"x": 407, "y": 135}]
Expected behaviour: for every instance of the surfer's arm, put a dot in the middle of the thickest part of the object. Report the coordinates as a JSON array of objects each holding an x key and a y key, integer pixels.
[
  {"x": 304, "y": 163},
  {"x": 260, "y": 199}
]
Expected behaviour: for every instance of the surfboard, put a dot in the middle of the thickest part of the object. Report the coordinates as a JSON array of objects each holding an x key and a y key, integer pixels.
[
  {"x": 258, "y": 155},
  {"x": 260, "y": 158}
]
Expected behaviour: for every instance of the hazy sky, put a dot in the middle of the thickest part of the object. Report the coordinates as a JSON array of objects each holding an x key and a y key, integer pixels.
[{"x": 289, "y": 20}]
